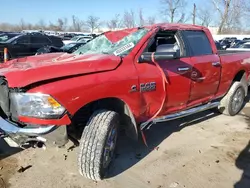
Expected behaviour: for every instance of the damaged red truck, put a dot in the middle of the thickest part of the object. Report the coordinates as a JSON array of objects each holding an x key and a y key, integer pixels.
[{"x": 128, "y": 79}]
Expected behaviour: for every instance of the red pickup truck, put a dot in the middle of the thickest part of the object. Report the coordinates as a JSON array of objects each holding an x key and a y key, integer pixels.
[{"x": 128, "y": 79}]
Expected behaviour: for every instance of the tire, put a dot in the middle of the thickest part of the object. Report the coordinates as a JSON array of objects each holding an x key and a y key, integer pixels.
[
  {"x": 227, "y": 104},
  {"x": 102, "y": 125}
]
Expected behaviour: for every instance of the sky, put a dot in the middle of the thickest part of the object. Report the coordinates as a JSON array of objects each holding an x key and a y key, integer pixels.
[{"x": 32, "y": 11}]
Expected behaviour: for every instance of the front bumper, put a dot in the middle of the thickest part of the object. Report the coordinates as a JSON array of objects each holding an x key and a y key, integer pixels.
[
  {"x": 49, "y": 135},
  {"x": 10, "y": 128}
]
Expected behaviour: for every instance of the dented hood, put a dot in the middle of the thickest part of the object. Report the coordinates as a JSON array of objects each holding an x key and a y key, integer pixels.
[{"x": 25, "y": 71}]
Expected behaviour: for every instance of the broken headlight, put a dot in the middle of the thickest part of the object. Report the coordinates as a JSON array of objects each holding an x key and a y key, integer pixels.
[{"x": 36, "y": 105}]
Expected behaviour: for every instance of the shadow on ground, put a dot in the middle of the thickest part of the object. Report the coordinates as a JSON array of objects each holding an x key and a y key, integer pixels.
[
  {"x": 243, "y": 160},
  {"x": 129, "y": 153},
  {"x": 243, "y": 163},
  {"x": 6, "y": 150}
]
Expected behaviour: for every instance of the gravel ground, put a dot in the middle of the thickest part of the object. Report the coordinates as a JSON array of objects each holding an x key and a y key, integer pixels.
[{"x": 203, "y": 151}]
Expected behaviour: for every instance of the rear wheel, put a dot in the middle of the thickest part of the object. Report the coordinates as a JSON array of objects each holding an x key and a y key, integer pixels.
[
  {"x": 98, "y": 143},
  {"x": 233, "y": 102}
]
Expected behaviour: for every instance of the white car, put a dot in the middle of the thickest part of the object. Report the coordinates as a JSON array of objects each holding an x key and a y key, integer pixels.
[
  {"x": 78, "y": 39},
  {"x": 243, "y": 47}
]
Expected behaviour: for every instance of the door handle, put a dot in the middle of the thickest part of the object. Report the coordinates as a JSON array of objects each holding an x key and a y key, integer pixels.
[
  {"x": 183, "y": 69},
  {"x": 200, "y": 79},
  {"x": 216, "y": 64}
]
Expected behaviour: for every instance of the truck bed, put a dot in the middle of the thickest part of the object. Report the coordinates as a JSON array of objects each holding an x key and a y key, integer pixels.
[{"x": 228, "y": 52}]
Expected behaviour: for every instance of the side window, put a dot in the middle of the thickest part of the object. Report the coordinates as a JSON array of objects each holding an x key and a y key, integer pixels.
[
  {"x": 198, "y": 43},
  {"x": 39, "y": 40},
  {"x": 23, "y": 40},
  {"x": 165, "y": 42}
]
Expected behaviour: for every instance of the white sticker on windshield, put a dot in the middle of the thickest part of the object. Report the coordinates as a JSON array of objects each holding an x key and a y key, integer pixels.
[{"x": 124, "y": 48}]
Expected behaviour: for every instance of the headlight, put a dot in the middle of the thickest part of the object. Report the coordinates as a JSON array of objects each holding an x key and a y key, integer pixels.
[{"x": 36, "y": 105}]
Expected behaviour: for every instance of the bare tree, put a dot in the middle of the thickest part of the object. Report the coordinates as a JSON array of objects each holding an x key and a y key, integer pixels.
[
  {"x": 77, "y": 24},
  {"x": 6, "y": 27},
  {"x": 204, "y": 16},
  {"x": 41, "y": 24},
  {"x": 22, "y": 25},
  {"x": 52, "y": 27},
  {"x": 174, "y": 10},
  {"x": 129, "y": 19},
  {"x": 62, "y": 24},
  {"x": 223, "y": 9},
  {"x": 237, "y": 11},
  {"x": 141, "y": 18},
  {"x": 194, "y": 14},
  {"x": 114, "y": 23},
  {"x": 151, "y": 20},
  {"x": 93, "y": 23},
  {"x": 231, "y": 13}
]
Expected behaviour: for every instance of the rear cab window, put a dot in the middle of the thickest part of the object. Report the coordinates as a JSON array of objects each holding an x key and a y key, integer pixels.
[{"x": 198, "y": 43}]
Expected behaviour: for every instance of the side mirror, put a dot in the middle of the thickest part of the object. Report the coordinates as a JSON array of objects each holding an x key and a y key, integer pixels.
[{"x": 157, "y": 56}]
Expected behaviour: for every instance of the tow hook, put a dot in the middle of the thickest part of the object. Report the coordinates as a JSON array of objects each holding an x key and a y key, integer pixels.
[
  {"x": 33, "y": 144},
  {"x": 40, "y": 145}
]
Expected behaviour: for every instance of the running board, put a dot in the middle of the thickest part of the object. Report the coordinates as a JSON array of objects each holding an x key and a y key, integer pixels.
[{"x": 180, "y": 114}]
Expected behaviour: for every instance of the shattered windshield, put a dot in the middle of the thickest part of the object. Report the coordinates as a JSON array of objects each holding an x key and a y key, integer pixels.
[{"x": 101, "y": 44}]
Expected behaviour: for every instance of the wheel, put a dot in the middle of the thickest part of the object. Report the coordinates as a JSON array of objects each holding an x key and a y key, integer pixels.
[
  {"x": 97, "y": 144},
  {"x": 233, "y": 102}
]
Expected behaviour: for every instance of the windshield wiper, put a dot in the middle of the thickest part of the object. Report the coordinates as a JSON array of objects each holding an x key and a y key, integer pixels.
[{"x": 104, "y": 52}]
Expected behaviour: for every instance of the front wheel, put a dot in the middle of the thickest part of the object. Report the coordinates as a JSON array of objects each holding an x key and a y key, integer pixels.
[
  {"x": 97, "y": 144},
  {"x": 233, "y": 102}
]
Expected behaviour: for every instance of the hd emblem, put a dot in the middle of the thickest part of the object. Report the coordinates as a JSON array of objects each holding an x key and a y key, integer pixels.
[{"x": 144, "y": 87}]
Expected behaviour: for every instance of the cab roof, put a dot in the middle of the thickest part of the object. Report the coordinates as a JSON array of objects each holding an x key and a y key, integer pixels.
[
  {"x": 175, "y": 26},
  {"x": 115, "y": 36}
]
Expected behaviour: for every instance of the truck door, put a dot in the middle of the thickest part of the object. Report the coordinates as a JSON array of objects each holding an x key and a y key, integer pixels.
[
  {"x": 177, "y": 72},
  {"x": 205, "y": 74}
]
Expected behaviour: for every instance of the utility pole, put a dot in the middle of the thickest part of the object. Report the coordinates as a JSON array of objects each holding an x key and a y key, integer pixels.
[{"x": 194, "y": 13}]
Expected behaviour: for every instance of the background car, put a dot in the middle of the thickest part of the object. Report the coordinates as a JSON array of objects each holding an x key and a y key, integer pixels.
[
  {"x": 219, "y": 47},
  {"x": 7, "y": 35},
  {"x": 68, "y": 48},
  {"x": 242, "y": 47},
  {"x": 79, "y": 38},
  {"x": 67, "y": 36},
  {"x": 225, "y": 44},
  {"x": 27, "y": 44},
  {"x": 239, "y": 43}
]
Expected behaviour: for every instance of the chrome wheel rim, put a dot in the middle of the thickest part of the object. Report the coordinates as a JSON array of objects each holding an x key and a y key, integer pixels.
[
  {"x": 109, "y": 147},
  {"x": 238, "y": 100}
]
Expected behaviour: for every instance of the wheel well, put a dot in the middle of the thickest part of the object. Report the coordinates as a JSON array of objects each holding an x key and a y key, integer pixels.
[
  {"x": 239, "y": 76},
  {"x": 127, "y": 120}
]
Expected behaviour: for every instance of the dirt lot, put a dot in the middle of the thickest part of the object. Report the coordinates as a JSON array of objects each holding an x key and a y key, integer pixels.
[{"x": 211, "y": 152}]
